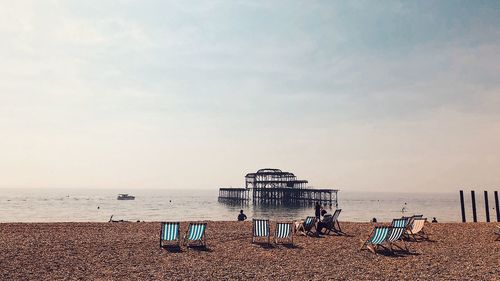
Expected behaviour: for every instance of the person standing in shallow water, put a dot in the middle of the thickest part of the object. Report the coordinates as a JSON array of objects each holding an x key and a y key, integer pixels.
[
  {"x": 317, "y": 211},
  {"x": 241, "y": 216}
]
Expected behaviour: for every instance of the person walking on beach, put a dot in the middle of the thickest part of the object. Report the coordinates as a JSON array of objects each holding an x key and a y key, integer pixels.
[
  {"x": 241, "y": 216},
  {"x": 317, "y": 211}
]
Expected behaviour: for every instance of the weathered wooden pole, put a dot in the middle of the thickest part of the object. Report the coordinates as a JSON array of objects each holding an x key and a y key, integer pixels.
[
  {"x": 462, "y": 205},
  {"x": 497, "y": 206},
  {"x": 473, "y": 199},
  {"x": 486, "y": 206}
]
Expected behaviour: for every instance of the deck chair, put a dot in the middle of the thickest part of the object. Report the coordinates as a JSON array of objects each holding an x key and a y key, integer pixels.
[
  {"x": 169, "y": 234},
  {"x": 283, "y": 232},
  {"x": 195, "y": 235},
  {"x": 416, "y": 230},
  {"x": 396, "y": 236},
  {"x": 307, "y": 226},
  {"x": 402, "y": 222},
  {"x": 332, "y": 223},
  {"x": 411, "y": 219},
  {"x": 377, "y": 238},
  {"x": 260, "y": 228}
]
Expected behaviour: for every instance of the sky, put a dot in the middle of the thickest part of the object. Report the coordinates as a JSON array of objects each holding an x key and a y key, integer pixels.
[{"x": 356, "y": 95}]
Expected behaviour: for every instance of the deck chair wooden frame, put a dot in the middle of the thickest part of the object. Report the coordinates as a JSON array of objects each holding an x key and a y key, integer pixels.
[
  {"x": 195, "y": 234},
  {"x": 261, "y": 228},
  {"x": 170, "y": 234},
  {"x": 416, "y": 230},
  {"x": 395, "y": 239},
  {"x": 283, "y": 233},
  {"x": 307, "y": 226},
  {"x": 378, "y": 237}
]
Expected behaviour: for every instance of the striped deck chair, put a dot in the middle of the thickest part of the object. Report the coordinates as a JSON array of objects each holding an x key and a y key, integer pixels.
[
  {"x": 283, "y": 232},
  {"x": 332, "y": 223},
  {"x": 396, "y": 236},
  {"x": 402, "y": 222},
  {"x": 260, "y": 228},
  {"x": 169, "y": 234},
  {"x": 411, "y": 219},
  {"x": 195, "y": 234},
  {"x": 377, "y": 238},
  {"x": 307, "y": 226},
  {"x": 416, "y": 229}
]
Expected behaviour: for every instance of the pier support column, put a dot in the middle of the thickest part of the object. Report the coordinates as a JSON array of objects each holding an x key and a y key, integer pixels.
[
  {"x": 462, "y": 205},
  {"x": 486, "y": 206},
  {"x": 497, "y": 206},
  {"x": 473, "y": 199}
]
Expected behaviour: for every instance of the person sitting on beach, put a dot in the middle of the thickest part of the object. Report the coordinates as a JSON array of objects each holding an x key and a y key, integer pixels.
[
  {"x": 241, "y": 216},
  {"x": 434, "y": 220},
  {"x": 322, "y": 224}
]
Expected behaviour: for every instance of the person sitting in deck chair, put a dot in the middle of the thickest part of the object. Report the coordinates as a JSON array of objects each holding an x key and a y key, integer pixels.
[
  {"x": 241, "y": 216},
  {"x": 322, "y": 224}
]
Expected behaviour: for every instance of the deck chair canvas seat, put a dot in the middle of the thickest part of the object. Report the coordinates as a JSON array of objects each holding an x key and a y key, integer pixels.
[
  {"x": 411, "y": 219},
  {"x": 332, "y": 223},
  {"x": 377, "y": 238},
  {"x": 307, "y": 226},
  {"x": 169, "y": 234},
  {"x": 402, "y": 222},
  {"x": 195, "y": 235},
  {"x": 283, "y": 232},
  {"x": 260, "y": 228},
  {"x": 416, "y": 230}
]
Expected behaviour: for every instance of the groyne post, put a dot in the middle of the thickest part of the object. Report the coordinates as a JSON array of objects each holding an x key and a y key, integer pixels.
[
  {"x": 473, "y": 199},
  {"x": 462, "y": 205},
  {"x": 497, "y": 206},
  {"x": 486, "y": 206}
]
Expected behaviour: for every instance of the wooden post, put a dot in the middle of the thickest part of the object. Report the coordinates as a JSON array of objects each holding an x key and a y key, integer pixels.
[
  {"x": 462, "y": 205},
  {"x": 486, "y": 206},
  {"x": 473, "y": 199},
  {"x": 497, "y": 206}
]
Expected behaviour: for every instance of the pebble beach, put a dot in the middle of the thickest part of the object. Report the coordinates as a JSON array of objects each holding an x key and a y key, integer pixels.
[{"x": 130, "y": 251}]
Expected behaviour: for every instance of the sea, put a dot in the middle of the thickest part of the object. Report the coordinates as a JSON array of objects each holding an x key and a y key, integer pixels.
[{"x": 98, "y": 205}]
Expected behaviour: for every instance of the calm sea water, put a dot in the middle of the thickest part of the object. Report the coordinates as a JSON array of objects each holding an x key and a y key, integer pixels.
[{"x": 67, "y": 205}]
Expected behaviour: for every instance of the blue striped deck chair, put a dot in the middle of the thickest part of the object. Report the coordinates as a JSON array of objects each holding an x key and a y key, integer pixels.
[
  {"x": 260, "y": 228},
  {"x": 402, "y": 222},
  {"x": 332, "y": 223},
  {"x": 169, "y": 234},
  {"x": 307, "y": 226},
  {"x": 283, "y": 232},
  {"x": 377, "y": 238},
  {"x": 195, "y": 234},
  {"x": 396, "y": 235}
]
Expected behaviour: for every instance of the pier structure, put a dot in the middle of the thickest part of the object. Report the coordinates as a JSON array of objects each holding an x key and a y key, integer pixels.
[
  {"x": 234, "y": 193},
  {"x": 273, "y": 186}
]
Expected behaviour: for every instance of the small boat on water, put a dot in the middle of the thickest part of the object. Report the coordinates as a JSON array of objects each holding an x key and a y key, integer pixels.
[{"x": 125, "y": 197}]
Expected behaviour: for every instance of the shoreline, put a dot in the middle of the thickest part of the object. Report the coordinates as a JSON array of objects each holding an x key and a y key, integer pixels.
[{"x": 130, "y": 250}]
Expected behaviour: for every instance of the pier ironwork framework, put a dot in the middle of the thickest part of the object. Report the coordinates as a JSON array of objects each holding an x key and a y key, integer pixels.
[{"x": 278, "y": 187}]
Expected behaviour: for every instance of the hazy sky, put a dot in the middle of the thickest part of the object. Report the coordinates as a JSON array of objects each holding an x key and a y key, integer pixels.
[{"x": 358, "y": 95}]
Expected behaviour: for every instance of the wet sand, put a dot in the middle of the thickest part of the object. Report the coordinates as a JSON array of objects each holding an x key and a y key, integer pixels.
[{"x": 130, "y": 251}]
